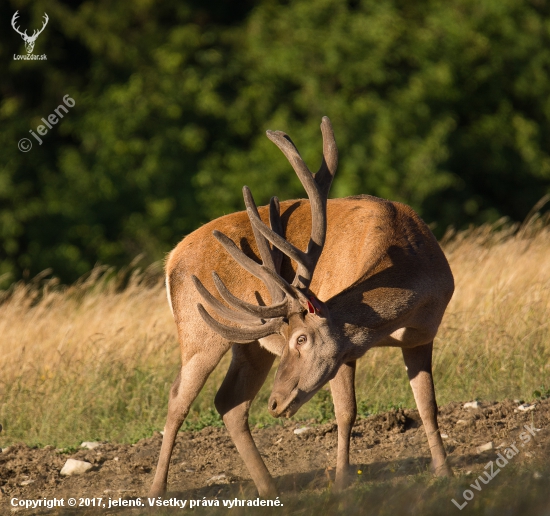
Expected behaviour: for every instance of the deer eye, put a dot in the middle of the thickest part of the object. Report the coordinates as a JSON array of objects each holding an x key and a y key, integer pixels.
[{"x": 302, "y": 339}]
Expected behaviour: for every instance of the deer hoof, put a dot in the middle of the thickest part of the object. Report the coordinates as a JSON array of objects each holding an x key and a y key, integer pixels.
[
  {"x": 444, "y": 471},
  {"x": 157, "y": 491},
  {"x": 342, "y": 481}
]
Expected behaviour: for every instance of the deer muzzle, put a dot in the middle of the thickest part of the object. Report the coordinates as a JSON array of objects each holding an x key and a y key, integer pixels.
[{"x": 280, "y": 405}]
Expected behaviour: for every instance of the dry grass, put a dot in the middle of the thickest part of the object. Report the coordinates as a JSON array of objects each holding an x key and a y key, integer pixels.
[{"x": 95, "y": 360}]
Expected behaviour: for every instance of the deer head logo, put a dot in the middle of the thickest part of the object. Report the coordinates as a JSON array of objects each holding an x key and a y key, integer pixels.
[{"x": 29, "y": 40}]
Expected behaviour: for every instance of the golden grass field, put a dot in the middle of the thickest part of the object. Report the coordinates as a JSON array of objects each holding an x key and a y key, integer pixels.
[{"x": 95, "y": 360}]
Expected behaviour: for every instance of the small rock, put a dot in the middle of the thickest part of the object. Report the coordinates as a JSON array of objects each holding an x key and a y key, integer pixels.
[
  {"x": 75, "y": 467},
  {"x": 190, "y": 471},
  {"x": 471, "y": 404},
  {"x": 27, "y": 482},
  {"x": 485, "y": 447},
  {"x": 218, "y": 479},
  {"x": 462, "y": 422},
  {"x": 116, "y": 458},
  {"x": 6, "y": 450},
  {"x": 537, "y": 475},
  {"x": 302, "y": 430},
  {"x": 90, "y": 444},
  {"x": 525, "y": 407},
  {"x": 444, "y": 436}
]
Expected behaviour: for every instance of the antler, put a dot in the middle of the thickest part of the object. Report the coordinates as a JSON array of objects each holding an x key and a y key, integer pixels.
[
  {"x": 37, "y": 32},
  {"x": 260, "y": 321},
  {"x": 29, "y": 40},
  {"x": 252, "y": 318},
  {"x": 16, "y": 29},
  {"x": 317, "y": 189}
]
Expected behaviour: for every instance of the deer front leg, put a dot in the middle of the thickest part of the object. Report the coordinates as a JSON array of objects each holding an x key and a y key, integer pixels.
[
  {"x": 247, "y": 373},
  {"x": 345, "y": 409},
  {"x": 419, "y": 368},
  {"x": 187, "y": 385}
]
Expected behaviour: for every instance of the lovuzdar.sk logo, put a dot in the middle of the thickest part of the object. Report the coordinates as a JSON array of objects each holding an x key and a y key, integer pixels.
[{"x": 29, "y": 40}]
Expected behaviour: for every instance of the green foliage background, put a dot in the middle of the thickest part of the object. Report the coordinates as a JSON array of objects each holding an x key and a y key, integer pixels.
[{"x": 444, "y": 105}]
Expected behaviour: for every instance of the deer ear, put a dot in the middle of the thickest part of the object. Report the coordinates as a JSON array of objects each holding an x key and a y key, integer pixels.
[{"x": 314, "y": 306}]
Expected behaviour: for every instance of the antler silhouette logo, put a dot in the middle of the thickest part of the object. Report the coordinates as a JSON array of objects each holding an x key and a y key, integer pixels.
[{"x": 29, "y": 40}]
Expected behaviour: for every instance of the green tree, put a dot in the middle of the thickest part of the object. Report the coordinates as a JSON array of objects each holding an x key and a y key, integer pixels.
[{"x": 441, "y": 105}]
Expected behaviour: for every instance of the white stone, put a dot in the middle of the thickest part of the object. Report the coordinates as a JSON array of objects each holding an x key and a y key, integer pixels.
[
  {"x": 302, "y": 430},
  {"x": 75, "y": 467},
  {"x": 526, "y": 407},
  {"x": 472, "y": 404},
  {"x": 485, "y": 447},
  {"x": 27, "y": 482},
  {"x": 218, "y": 479},
  {"x": 90, "y": 444},
  {"x": 444, "y": 436}
]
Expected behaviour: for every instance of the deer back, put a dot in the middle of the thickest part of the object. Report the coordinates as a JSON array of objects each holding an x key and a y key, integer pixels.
[{"x": 379, "y": 260}]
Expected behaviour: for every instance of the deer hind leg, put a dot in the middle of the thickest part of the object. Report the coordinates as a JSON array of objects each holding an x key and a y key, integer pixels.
[
  {"x": 247, "y": 373},
  {"x": 419, "y": 368},
  {"x": 187, "y": 385},
  {"x": 345, "y": 409}
]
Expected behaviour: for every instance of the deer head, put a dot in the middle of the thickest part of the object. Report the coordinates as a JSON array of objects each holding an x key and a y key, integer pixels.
[
  {"x": 29, "y": 40},
  {"x": 312, "y": 354}
]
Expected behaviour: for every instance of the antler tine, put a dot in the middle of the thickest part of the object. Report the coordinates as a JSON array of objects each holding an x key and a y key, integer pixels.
[
  {"x": 327, "y": 170},
  {"x": 317, "y": 191},
  {"x": 262, "y": 273},
  {"x": 306, "y": 264},
  {"x": 242, "y": 335},
  {"x": 276, "y": 225},
  {"x": 13, "y": 20},
  {"x": 267, "y": 257},
  {"x": 262, "y": 312},
  {"x": 291, "y": 153},
  {"x": 221, "y": 309},
  {"x": 277, "y": 240},
  {"x": 44, "y": 23}
]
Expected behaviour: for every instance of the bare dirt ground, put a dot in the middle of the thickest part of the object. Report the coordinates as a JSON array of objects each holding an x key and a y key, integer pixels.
[{"x": 206, "y": 463}]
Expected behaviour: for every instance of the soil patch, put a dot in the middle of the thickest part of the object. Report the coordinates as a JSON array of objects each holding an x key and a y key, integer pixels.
[{"x": 206, "y": 463}]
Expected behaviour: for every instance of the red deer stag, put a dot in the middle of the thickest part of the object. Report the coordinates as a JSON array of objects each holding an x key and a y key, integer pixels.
[{"x": 380, "y": 279}]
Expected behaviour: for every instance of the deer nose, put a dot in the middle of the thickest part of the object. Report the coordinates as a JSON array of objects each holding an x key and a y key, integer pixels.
[{"x": 272, "y": 405}]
